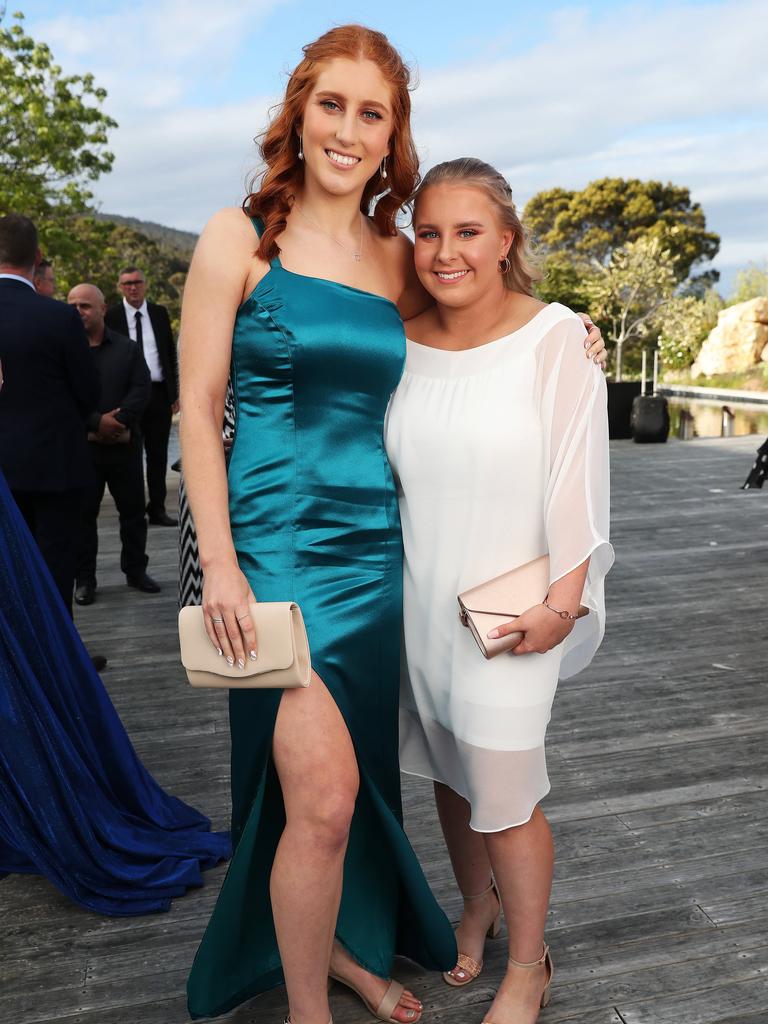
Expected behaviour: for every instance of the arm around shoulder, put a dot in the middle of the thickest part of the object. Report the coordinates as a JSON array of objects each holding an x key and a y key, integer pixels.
[{"x": 413, "y": 298}]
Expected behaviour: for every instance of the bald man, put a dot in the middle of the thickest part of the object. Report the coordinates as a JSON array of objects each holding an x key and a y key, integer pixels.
[{"x": 114, "y": 441}]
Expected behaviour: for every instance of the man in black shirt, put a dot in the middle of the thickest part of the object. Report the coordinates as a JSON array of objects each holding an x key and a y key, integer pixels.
[{"x": 114, "y": 441}]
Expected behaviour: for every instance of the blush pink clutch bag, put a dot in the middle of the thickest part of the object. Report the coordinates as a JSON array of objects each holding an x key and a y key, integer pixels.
[{"x": 487, "y": 606}]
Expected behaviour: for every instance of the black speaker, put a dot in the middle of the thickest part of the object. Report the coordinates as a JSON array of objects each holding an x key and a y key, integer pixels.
[{"x": 650, "y": 419}]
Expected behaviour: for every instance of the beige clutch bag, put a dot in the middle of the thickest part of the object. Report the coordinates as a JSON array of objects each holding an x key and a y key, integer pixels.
[
  {"x": 283, "y": 650},
  {"x": 501, "y": 599}
]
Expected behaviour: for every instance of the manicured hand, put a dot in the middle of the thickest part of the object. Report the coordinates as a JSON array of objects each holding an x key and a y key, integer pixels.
[
  {"x": 542, "y": 630},
  {"x": 228, "y": 622},
  {"x": 593, "y": 342}
]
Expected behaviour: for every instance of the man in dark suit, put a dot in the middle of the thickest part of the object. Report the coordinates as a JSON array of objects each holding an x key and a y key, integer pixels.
[
  {"x": 114, "y": 442},
  {"x": 50, "y": 386},
  {"x": 149, "y": 326}
]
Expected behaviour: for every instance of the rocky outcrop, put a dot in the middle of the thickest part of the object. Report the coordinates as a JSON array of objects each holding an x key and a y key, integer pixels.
[{"x": 738, "y": 342}]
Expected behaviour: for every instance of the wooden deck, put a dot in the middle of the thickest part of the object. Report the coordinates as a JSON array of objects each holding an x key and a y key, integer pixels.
[{"x": 659, "y": 761}]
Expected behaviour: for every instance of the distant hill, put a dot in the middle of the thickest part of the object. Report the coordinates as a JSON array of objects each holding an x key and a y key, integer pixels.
[{"x": 181, "y": 242}]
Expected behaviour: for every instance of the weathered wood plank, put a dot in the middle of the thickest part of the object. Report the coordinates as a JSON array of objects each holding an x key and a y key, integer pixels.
[{"x": 659, "y": 768}]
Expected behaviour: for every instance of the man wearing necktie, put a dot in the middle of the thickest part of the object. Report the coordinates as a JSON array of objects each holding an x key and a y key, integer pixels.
[{"x": 149, "y": 325}]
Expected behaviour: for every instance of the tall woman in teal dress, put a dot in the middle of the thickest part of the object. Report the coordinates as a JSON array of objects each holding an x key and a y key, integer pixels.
[{"x": 300, "y": 298}]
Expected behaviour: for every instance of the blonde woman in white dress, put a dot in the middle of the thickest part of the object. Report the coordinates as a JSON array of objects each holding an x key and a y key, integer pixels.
[{"x": 498, "y": 437}]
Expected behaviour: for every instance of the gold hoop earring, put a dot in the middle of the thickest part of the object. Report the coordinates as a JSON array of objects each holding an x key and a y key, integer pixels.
[{"x": 505, "y": 269}]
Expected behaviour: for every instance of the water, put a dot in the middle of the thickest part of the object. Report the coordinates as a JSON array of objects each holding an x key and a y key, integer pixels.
[{"x": 695, "y": 417}]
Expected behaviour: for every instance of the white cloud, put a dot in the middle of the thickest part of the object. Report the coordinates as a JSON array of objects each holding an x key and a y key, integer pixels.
[
  {"x": 677, "y": 93},
  {"x": 177, "y": 168},
  {"x": 176, "y": 160},
  {"x": 154, "y": 52}
]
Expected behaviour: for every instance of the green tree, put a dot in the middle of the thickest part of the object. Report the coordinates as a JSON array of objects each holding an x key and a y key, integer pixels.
[
  {"x": 583, "y": 228},
  {"x": 628, "y": 293},
  {"x": 105, "y": 248},
  {"x": 751, "y": 283},
  {"x": 563, "y": 282},
  {"x": 684, "y": 322},
  {"x": 53, "y": 138}
]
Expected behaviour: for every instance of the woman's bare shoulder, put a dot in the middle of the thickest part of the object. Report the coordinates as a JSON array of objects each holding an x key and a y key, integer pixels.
[
  {"x": 230, "y": 222},
  {"x": 225, "y": 256}
]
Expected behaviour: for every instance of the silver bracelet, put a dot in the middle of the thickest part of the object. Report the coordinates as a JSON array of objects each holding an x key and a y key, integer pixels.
[{"x": 563, "y": 614}]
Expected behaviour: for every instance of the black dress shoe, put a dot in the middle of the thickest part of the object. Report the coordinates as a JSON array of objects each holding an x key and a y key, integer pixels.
[
  {"x": 161, "y": 519},
  {"x": 143, "y": 583},
  {"x": 98, "y": 661},
  {"x": 85, "y": 593}
]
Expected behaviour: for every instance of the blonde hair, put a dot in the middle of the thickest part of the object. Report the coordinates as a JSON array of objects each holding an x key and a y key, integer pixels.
[{"x": 468, "y": 170}]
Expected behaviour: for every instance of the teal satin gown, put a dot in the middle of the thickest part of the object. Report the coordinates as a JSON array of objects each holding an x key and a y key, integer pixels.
[{"x": 315, "y": 520}]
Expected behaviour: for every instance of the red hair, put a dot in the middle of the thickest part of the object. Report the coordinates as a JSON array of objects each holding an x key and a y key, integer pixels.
[{"x": 279, "y": 144}]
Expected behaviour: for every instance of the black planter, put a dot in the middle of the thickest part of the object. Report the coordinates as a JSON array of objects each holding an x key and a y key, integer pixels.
[
  {"x": 620, "y": 398},
  {"x": 650, "y": 419}
]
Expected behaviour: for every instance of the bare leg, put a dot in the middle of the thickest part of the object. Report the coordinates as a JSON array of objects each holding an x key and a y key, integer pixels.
[
  {"x": 522, "y": 860},
  {"x": 316, "y": 764},
  {"x": 317, "y": 768},
  {"x": 472, "y": 868}
]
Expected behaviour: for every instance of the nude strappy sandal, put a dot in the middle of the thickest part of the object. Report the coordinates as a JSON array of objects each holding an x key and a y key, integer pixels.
[
  {"x": 473, "y": 968},
  {"x": 545, "y": 958},
  {"x": 388, "y": 1004}
]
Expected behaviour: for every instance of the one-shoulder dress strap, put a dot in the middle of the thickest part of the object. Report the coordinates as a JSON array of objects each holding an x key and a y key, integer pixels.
[{"x": 258, "y": 226}]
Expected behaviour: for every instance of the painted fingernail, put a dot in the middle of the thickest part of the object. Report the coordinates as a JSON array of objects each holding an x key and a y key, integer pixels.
[
  {"x": 494, "y": 634},
  {"x": 586, "y": 343},
  {"x": 230, "y": 662},
  {"x": 241, "y": 663},
  {"x": 220, "y": 652},
  {"x": 252, "y": 655}
]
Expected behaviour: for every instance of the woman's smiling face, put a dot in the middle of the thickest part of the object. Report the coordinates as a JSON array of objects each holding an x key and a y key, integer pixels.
[
  {"x": 459, "y": 242},
  {"x": 347, "y": 125}
]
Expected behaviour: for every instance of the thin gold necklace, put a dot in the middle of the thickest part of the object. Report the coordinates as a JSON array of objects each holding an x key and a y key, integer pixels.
[{"x": 356, "y": 254}]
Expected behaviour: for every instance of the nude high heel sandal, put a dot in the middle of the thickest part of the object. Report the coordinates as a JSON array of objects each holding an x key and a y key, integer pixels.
[
  {"x": 469, "y": 967},
  {"x": 546, "y": 959},
  {"x": 387, "y": 1006}
]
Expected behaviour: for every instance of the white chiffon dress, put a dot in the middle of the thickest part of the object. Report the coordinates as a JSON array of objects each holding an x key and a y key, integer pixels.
[{"x": 500, "y": 454}]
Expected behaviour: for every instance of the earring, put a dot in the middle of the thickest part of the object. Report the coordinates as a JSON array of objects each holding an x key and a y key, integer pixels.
[
  {"x": 383, "y": 169},
  {"x": 301, "y": 146},
  {"x": 504, "y": 265}
]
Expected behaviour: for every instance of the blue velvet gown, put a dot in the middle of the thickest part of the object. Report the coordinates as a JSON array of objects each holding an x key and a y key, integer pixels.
[
  {"x": 315, "y": 519},
  {"x": 76, "y": 804}
]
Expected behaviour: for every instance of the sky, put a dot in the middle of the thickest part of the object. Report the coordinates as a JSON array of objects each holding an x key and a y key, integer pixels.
[{"x": 552, "y": 93}]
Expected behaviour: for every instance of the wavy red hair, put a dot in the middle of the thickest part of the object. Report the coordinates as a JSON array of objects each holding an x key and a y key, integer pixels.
[{"x": 279, "y": 144}]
